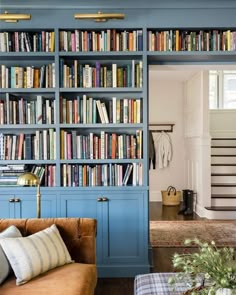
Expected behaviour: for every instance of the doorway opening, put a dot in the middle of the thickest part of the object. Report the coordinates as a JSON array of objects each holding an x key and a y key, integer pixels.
[{"x": 179, "y": 94}]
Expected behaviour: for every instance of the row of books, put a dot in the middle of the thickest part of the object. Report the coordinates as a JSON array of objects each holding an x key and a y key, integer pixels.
[
  {"x": 27, "y": 41},
  {"x": 176, "y": 40},
  {"x": 76, "y": 74},
  {"x": 46, "y": 174},
  {"x": 17, "y": 110},
  {"x": 88, "y": 110},
  {"x": 38, "y": 146},
  {"x": 27, "y": 77},
  {"x": 102, "y": 175},
  {"x": 102, "y": 146},
  {"x": 105, "y": 40}
]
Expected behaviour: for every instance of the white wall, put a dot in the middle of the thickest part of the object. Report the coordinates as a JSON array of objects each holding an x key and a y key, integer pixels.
[
  {"x": 223, "y": 123},
  {"x": 197, "y": 140},
  {"x": 166, "y": 98}
]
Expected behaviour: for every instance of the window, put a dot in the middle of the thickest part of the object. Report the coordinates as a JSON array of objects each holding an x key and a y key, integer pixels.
[{"x": 222, "y": 89}]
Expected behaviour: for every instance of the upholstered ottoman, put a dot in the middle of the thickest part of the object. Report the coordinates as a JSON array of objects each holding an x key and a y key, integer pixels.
[{"x": 157, "y": 284}]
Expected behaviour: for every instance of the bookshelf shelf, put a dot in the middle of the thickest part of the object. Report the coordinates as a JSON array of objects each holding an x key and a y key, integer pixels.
[
  {"x": 163, "y": 57},
  {"x": 102, "y": 90}
]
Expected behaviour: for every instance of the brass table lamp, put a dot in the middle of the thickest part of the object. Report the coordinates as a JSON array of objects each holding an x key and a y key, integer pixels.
[{"x": 31, "y": 179}]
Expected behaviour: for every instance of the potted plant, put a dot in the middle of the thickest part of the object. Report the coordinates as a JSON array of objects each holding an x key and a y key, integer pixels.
[{"x": 210, "y": 270}]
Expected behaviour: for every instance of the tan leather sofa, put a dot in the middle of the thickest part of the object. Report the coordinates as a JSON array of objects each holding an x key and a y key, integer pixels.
[{"x": 79, "y": 278}]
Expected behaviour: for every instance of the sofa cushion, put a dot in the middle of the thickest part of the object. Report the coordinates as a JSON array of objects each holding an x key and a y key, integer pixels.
[
  {"x": 35, "y": 254},
  {"x": 73, "y": 279},
  {"x": 10, "y": 232}
]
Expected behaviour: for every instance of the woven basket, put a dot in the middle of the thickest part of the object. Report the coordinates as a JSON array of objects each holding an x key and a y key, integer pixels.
[{"x": 171, "y": 197}]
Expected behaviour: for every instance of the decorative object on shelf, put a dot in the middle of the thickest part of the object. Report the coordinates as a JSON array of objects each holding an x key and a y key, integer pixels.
[
  {"x": 99, "y": 16},
  {"x": 31, "y": 179},
  {"x": 14, "y": 17},
  {"x": 210, "y": 271}
]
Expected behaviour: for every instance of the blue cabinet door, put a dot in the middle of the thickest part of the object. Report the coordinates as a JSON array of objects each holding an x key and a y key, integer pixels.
[
  {"x": 122, "y": 238},
  {"x": 83, "y": 205},
  {"x": 125, "y": 237},
  {"x": 7, "y": 206},
  {"x": 25, "y": 205}
]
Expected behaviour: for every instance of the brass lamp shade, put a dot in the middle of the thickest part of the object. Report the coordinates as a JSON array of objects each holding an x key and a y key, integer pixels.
[
  {"x": 31, "y": 179},
  {"x": 28, "y": 179}
]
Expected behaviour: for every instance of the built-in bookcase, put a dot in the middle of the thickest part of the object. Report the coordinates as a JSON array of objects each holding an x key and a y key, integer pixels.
[{"x": 73, "y": 110}]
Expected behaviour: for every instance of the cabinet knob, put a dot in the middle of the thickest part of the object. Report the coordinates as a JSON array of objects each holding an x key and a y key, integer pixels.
[
  {"x": 17, "y": 200},
  {"x": 99, "y": 199},
  {"x": 104, "y": 199},
  {"x": 12, "y": 200}
]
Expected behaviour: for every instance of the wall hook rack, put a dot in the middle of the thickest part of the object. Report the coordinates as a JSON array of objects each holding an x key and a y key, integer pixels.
[{"x": 159, "y": 127}]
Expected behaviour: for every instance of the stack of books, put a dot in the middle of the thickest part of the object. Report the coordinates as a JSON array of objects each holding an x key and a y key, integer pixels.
[{"x": 10, "y": 173}]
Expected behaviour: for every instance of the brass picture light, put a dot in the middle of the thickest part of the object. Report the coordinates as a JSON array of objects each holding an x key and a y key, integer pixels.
[
  {"x": 31, "y": 179},
  {"x": 14, "y": 17},
  {"x": 99, "y": 16}
]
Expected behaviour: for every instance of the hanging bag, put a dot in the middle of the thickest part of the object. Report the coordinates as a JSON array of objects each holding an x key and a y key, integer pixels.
[{"x": 171, "y": 197}]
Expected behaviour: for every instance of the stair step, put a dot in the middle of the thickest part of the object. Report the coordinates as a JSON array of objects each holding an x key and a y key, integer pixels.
[
  {"x": 223, "y": 184},
  {"x": 224, "y": 138},
  {"x": 223, "y": 155},
  {"x": 223, "y": 174},
  {"x": 221, "y": 208},
  {"x": 223, "y": 146},
  {"x": 223, "y": 196},
  {"x": 223, "y": 169},
  {"x": 223, "y": 164}
]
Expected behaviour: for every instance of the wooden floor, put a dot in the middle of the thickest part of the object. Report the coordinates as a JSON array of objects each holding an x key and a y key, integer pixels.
[{"x": 124, "y": 286}]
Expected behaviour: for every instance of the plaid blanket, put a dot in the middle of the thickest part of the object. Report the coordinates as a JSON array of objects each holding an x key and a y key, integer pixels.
[{"x": 157, "y": 284}]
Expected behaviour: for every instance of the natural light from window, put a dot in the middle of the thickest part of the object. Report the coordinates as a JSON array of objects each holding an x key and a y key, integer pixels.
[{"x": 222, "y": 89}]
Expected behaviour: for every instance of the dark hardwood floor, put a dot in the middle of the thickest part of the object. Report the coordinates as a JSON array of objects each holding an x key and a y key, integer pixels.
[{"x": 161, "y": 258}]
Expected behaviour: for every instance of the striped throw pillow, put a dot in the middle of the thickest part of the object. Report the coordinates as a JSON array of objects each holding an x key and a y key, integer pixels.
[
  {"x": 5, "y": 268},
  {"x": 35, "y": 254}
]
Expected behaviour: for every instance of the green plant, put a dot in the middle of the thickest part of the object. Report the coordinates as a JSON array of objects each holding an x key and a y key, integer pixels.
[{"x": 207, "y": 270}]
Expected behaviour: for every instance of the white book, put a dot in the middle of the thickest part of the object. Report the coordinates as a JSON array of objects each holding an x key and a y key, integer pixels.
[
  {"x": 37, "y": 144},
  {"x": 138, "y": 109},
  {"x": 78, "y": 145},
  {"x": 125, "y": 111},
  {"x": 114, "y": 75},
  {"x": 76, "y": 73},
  {"x": 51, "y": 144},
  {"x": 48, "y": 112},
  {"x": 140, "y": 74},
  {"x": 100, "y": 111},
  {"x": 64, "y": 174},
  {"x": 91, "y": 145},
  {"x": 103, "y": 152},
  {"x": 114, "y": 109},
  {"x": 84, "y": 109},
  {"x": 45, "y": 145},
  {"x": 39, "y": 109},
  {"x": 105, "y": 114},
  {"x": 53, "y": 75},
  {"x": 140, "y": 174},
  {"x": 13, "y": 150},
  {"x": 3, "y": 70},
  {"x": 134, "y": 182},
  {"x": 77, "y": 40}
]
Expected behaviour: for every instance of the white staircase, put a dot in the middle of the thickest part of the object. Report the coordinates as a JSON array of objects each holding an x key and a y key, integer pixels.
[{"x": 223, "y": 178}]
